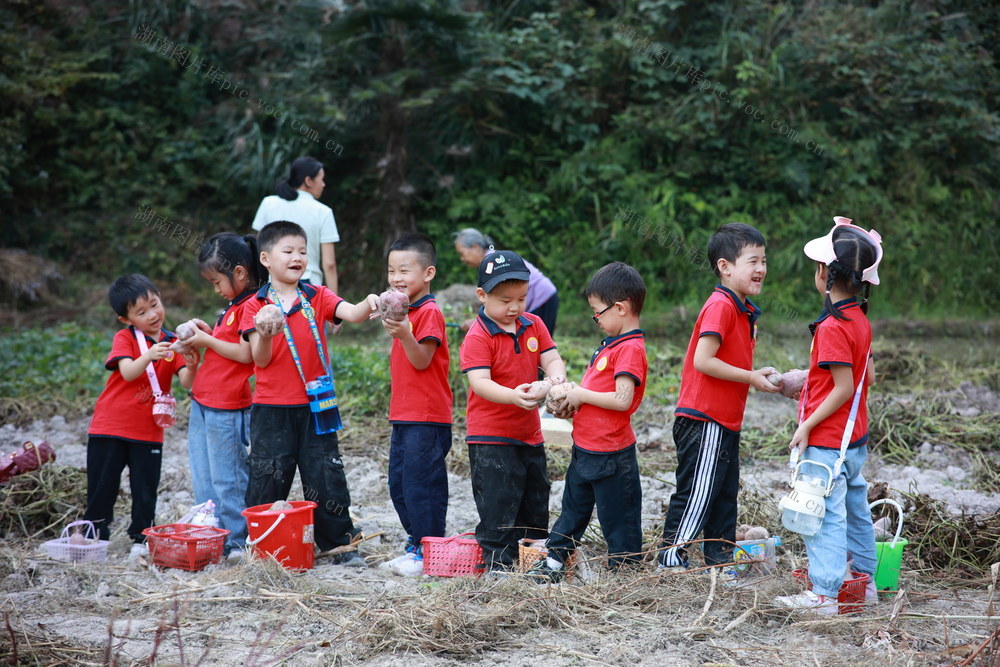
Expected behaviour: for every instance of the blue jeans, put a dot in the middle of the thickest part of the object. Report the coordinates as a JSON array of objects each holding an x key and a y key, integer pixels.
[
  {"x": 418, "y": 478},
  {"x": 217, "y": 447},
  {"x": 847, "y": 527}
]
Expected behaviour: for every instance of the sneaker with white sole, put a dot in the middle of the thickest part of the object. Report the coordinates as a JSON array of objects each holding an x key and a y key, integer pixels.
[
  {"x": 412, "y": 565},
  {"x": 138, "y": 550},
  {"x": 405, "y": 556},
  {"x": 811, "y": 602},
  {"x": 547, "y": 570},
  {"x": 235, "y": 555}
]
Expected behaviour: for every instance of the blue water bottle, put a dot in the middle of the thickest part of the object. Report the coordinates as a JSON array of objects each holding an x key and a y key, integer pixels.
[{"x": 323, "y": 403}]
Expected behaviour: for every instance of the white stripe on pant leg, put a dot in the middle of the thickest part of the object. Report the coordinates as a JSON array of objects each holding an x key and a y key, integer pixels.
[{"x": 701, "y": 490}]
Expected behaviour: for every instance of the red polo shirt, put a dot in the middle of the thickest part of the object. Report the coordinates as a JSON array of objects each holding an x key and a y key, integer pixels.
[
  {"x": 606, "y": 431},
  {"x": 708, "y": 398},
  {"x": 279, "y": 384},
  {"x": 224, "y": 384},
  {"x": 848, "y": 344},
  {"x": 512, "y": 359},
  {"x": 421, "y": 397},
  {"x": 125, "y": 409}
]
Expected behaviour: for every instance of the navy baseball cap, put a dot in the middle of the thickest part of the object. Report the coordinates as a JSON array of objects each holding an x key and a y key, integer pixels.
[{"x": 501, "y": 265}]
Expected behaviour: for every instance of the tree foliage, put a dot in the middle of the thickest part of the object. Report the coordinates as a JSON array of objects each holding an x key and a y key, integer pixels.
[{"x": 578, "y": 133}]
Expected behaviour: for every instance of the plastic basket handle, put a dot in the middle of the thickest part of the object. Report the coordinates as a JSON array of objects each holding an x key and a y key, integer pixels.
[
  {"x": 899, "y": 527},
  {"x": 281, "y": 517},
  {"x": 457, "y": 537},
  {"x": 89, "y": 534}
]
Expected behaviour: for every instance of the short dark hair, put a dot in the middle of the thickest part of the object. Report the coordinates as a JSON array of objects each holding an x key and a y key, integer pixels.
[
  {"x": 418, "y": 243},
  {"x": 729, "y": 241},
  {"x": 128, "y": 289},
  {"x": 618, "y": 281},
  {"x": 277, "y": 230}
]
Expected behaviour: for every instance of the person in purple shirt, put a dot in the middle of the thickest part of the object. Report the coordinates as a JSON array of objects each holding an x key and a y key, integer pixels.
[{"x": 543, "y": 298}]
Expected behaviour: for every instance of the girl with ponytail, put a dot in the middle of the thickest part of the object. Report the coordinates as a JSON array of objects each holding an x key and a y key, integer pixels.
[
  {"x": 218, "y": 432},
  {"x": 833, "y": 413}
]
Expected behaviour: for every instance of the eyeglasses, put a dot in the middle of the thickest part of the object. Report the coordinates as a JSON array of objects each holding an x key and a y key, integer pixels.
[{"x": 597, "y": 317}]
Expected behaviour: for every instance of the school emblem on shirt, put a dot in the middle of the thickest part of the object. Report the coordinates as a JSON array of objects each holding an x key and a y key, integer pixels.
[
  {"x": 170, "y": 355},
  {"x": 602, "y": 363},
  {"x": 411, "y": 327},
  {"x": 229, "y": 322},
  {"x": 533, "y": 344}
]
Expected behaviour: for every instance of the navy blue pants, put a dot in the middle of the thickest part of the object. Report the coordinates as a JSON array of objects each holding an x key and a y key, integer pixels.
[
  {"x": 708, "y": 482},
  {"x": 418, "y": 477},
  {"x": 107, "y": 457},
  {"x": 611, "y": 482},
  {"x": 511, "y": 489},
  {"x": 280, "y": 440}
]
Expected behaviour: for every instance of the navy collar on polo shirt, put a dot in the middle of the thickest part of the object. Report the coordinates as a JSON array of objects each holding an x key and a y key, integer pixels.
[
  {"x": 309, "y": 291},
  {"x": 850, "y": 302},
  {"x": 494, "y": 329},
  {"x": 748, "y": 307},
  {"x": 421, "y": 301},
  {"x": 611, "y": 341},
  {"x": 167, "y": 335},
  {"x": 235, "y": 302}
]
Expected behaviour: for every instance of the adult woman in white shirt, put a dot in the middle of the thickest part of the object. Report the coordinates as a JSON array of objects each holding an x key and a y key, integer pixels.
[{"x": 298, "y": 201}]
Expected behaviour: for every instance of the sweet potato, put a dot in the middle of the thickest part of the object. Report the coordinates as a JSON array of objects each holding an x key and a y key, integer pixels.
[
  {"x": 269, "y": 320},
  {"x": 185, "y": 330},
  {"x": 792, "y": 382},
  {"x": 556, "y": 400},
  {"x": 280, "y": 506},
  {"x": 741, "y": 531},
  {"x": 539, "y": 390},
  {"x": 393, "y": 305},
  {"x": 757, "y": 533}
]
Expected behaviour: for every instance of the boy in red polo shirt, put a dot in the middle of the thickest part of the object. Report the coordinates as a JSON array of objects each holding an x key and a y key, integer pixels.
[
  {"x": 122, "y": 431},
  {"x": 718, "y": 372},
  {"x": 604, "y": 470},
  {"x": 501, "y": 355},
  {"x": 420, "y": 407},
  {"x": 286, "y": 355}
]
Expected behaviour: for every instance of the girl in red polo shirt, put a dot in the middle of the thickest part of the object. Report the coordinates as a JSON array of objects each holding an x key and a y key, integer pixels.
[
  {"x": 833, "y": 412},
  {"x": 220, "y": 399}
]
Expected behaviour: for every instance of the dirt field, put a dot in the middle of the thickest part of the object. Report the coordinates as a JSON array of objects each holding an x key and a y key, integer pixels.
[{"x": 256, "y": 613}]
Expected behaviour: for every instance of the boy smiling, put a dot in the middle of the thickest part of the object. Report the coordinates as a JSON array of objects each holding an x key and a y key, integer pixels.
[{"x": 717, "y": 376}]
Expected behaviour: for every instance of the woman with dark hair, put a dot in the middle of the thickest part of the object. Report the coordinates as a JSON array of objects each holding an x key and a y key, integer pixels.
[{"x": 298, "y": 201}]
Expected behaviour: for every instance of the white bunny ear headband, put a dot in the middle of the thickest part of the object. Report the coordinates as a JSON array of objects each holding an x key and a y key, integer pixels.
[{"x": 821, "y": 249}]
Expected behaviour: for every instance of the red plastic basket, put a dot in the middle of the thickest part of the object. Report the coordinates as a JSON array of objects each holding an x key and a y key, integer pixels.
[
  {"x": 185, "y": 546},
  {"x": 455, "y": 556},
  {"x": 850, "y": 597}
]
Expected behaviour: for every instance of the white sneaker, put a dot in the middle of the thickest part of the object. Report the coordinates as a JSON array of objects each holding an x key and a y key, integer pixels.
[
  {"x": 809, "y": 601},
  {"x": 410, "y": 566},
  {"x": 235, "y": 555},
  {"x": 138, "y": 550}
]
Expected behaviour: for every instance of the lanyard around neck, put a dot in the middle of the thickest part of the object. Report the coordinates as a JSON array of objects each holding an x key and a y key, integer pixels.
[
  {"x": 143, "y": 348},
  {"x": 310, "y": 315}
]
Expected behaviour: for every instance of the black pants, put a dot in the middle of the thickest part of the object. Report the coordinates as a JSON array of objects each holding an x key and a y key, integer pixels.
[
  {"x": 708, "y": 482},
  {"x": 106, "y": 459},
  {"x": 418, "y": 478},
  {"x": 611, "y": 482},
  {"x": 511, "y": 489},
  {"x": 548, "y": 312},
  {"x": 280, "y": 440}
]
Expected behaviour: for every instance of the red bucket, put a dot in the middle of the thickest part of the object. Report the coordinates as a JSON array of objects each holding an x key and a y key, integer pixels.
[
  {"x": 850, "y": 597},
  {"x": 285, "y": 535}
]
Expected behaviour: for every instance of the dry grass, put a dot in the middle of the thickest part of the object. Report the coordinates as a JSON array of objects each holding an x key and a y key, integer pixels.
[{"x": 41, "y": 502}]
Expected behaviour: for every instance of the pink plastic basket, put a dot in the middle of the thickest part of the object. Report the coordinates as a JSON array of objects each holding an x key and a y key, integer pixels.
[
  {"x": 89, "y": 550},
  {"x": 456, "y": 556},
  {"x": 185, "y": 546},
  {"x": 851, "y": 596}
]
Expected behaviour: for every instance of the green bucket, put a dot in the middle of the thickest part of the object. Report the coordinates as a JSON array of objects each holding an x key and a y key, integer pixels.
[{"x": 889, "y": 554}]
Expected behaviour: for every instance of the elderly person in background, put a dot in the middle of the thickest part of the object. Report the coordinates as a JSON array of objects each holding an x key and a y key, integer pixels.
[{"x": 542, "y": 300}]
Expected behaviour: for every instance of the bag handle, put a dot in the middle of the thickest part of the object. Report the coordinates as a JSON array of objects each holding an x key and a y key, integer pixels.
[
  {"x": 143, "y": 348},
  {"x": 899, "y": 527},
  {"x": 90, "y": 533}
]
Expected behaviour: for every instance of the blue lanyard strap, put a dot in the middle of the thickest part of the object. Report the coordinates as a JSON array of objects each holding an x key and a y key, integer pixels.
[{"x": 310, "y": 315}]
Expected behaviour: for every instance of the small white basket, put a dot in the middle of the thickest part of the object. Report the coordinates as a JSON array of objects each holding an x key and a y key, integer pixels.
[{"x": 92, "y": 551}]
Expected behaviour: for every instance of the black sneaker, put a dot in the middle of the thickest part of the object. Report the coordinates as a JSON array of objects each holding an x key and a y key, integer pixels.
[
  {"x": 545, "y": 571},
  {"x": 350, "y": 559}
]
